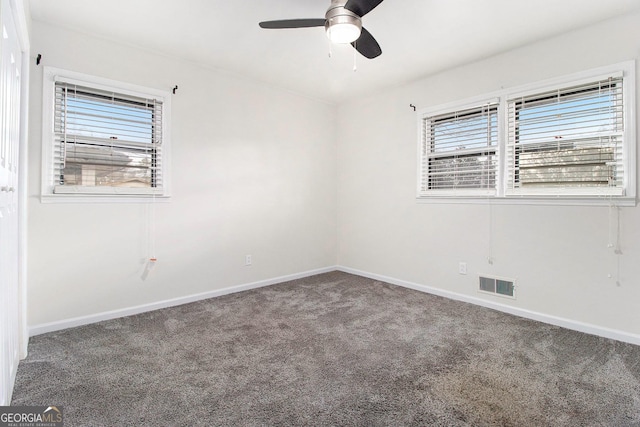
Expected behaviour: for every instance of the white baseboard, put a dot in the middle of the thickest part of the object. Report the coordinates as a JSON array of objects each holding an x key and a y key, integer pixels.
[
  {"x": 528, "y": 314},
  {"x": 130, "y": 311}
]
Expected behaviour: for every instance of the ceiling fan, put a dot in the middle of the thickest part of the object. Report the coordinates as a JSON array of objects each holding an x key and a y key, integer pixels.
[{"x": 343, "y": 24}]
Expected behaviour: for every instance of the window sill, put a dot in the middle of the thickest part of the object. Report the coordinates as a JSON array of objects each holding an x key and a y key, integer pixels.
[
  {"x": 530, "y": 200},
  {"x": 102, "y": 198}
]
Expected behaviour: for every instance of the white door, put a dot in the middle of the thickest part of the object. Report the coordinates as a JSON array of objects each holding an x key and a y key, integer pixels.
[{"x": 10, "y": 67}]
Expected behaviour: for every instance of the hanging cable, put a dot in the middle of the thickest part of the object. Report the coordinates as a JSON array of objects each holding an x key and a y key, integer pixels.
[
  {"x": 487, "y": 178},
  {"x": 151, "y": 211},
  {"x": 617, "y": 249},
  {"x": 614, "y": 239},
  {"x": 151, "y": 238},
  {"x": 490, "y": 256}
]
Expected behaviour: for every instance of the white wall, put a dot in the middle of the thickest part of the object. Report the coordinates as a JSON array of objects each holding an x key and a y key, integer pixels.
[
  {"x": 254, "y": 172},
  {"x": 558, "y": 254}
]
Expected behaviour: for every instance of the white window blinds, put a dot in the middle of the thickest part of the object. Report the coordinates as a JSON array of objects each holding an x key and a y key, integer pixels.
[
  {"x": 106, "y": 142},
  {"x": 459, "y": 151},
  {"x": 567, "y": 141}
]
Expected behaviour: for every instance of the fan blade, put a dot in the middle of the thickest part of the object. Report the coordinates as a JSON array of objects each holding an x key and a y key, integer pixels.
[
  {"x": 361, "y": 7},
  {"x": 367, "y": 45},
  {"x": 293, "y": 23}
]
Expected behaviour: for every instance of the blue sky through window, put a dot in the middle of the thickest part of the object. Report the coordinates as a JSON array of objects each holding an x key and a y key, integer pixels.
[
  {"x": 105, "y": 120},
  {"x": 477, "y": 130},
  {"x": 569, "y": 118}
]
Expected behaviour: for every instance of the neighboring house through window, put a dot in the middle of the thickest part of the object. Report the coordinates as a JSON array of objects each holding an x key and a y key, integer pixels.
[
  {"x": 459, "y": 151},
  {"x": 567, "y": 140},
  {"x": 103, "y": 138}
]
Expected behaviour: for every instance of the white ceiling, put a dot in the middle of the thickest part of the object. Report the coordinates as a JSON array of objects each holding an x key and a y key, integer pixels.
[{"x": 418, "y": 37}]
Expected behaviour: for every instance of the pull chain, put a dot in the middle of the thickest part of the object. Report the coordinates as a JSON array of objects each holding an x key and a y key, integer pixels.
[{"x": 355, "y": 56}]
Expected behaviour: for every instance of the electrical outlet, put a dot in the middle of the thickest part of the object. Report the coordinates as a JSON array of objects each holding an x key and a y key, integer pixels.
[
  {"x": 247, "y": 260},
  {"x": 462, "y": 268}
]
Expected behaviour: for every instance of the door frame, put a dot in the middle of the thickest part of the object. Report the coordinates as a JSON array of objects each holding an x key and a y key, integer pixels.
[{"x": 21, "y": 19}]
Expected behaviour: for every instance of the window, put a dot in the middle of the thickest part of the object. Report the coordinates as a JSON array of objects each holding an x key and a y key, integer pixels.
[
  {"x": 459, "y": 150},
  {"x": 570, "y": 140},
  {"x": 103, "y": 138}
]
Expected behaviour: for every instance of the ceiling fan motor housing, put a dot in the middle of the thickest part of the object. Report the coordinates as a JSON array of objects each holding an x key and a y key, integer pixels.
[{"x": 338, "y": 15}]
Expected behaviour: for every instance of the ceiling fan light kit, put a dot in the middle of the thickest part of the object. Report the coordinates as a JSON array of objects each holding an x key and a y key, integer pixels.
[{"x": 342, "y": 23}]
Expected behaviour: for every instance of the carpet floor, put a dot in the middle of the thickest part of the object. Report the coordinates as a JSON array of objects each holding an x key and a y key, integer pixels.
[{"x": 331, "y": 350}]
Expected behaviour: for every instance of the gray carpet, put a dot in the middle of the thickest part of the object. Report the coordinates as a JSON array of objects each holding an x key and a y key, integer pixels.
[{"x": 333, "y": 349}]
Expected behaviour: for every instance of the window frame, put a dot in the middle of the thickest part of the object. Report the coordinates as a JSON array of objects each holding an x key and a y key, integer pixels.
[
  {"x": 569, "y": 191},
  {"x": 451, "y": 109},
  {"x": 590, "y": 196},
  {"x": 99, "y": 193}
]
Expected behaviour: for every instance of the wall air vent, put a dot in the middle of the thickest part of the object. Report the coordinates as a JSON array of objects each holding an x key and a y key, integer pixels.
[{"x": 497, "y": 286}]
